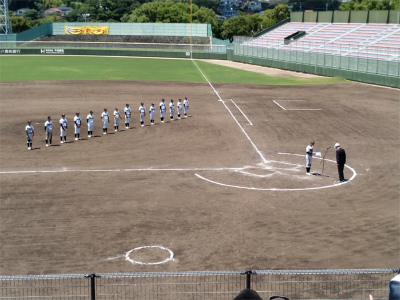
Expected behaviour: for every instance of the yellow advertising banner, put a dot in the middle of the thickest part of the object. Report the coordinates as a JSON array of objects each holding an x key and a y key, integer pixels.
[{"x": 86, "y": 29}]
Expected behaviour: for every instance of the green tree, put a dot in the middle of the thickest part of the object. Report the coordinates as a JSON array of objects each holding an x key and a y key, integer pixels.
[
  {"x": 370, "y": 5},
  {"x": 51, "y": 18},
  {"x": 169, "y": 12},
  {"x": 31, "y": 14},
  {"x": 203, "y": 15},
  {"x": 212, "y": 4},
  {"x": 19, "y": 24},
  {"x": 234, "y": 26},
  {"x": 280, "y": 12},
  {"x": 216, "y": 27}
]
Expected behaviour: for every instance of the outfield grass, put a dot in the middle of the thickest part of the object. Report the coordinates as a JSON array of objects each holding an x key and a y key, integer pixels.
[{"x": 21, "y": 68}]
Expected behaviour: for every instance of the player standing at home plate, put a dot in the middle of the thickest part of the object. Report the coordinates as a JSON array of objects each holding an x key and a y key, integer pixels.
[
  {"x": 179, "y": 104},
  {"x": 104, "y": 119},
  {"x": 127, "y": 111},
  {"x": 90, "y": 121},
  {"x": 48, "y": 127},
  {"x": 63, "y": 129},
  {"x": 77, "y": 126},
  {"x": 185, "y": 106},
  {"x": 30, "y": 132},
  {"x": 151, "y": 112},
  {"x": 171, "y": 109},
  {"x": 116, "y": 119},
  {"x": 142, "y": 113},
  {"x": 163, "y": 107},
  {"x": 309, "y": 154}
]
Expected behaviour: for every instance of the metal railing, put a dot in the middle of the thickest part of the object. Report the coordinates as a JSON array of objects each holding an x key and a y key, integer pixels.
[
  {"x": 207, "y": 285},
  {"x": 332, "y": 48}
]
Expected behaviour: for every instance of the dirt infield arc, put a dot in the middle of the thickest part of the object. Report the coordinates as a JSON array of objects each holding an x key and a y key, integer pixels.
[{"x": 84, "y": 202}]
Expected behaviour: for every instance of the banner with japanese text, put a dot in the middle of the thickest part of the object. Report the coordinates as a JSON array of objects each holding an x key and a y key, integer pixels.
[{"x": 86, "y": 29}]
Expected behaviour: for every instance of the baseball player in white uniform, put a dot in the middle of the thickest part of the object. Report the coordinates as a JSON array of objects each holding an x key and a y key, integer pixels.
[
  {"x": 90, "y": 121},
  {"x": 104, "y": 119},
  {"x": 309, "y": 155},
  {"x": 185, "y": 106},
  {"x": 171, "y": 109},
  {"x": 179, "y": 105},
  {"x": 30, "y": 132},
  {"x": 127, "y": 111},
  {"x": 77, "y": 126},
  {"x": 117, "y": 116},
  {"x": 163, "y": 107},
  {"x": 142, "y": 113},
  {"x": 48, "y": 128},
  {"x": 151, "y": 113},
  {"x": 63, "y": 129}
]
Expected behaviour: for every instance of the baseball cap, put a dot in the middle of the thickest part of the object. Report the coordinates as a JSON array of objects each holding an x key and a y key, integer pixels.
[{"x": 337, "y": 145}]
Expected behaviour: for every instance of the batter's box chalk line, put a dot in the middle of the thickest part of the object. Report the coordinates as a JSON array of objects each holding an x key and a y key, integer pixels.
[{"x": 269, "y": 166}]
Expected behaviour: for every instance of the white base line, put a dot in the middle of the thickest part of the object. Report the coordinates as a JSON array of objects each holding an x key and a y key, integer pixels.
[
  {"x": 242, "y": 113},
  {"x": 116, "y": 170},
  {"x": 279, "y": 105},
  {"x": 275, "y": 101},
  {"x": 227, "y": 108}
]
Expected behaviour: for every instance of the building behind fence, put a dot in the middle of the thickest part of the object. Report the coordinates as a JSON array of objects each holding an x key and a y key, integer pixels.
[{"x": 202, "y": 285}]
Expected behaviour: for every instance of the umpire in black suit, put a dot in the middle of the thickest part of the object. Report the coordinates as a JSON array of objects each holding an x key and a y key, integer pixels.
[{"x": 340, "y": 161}]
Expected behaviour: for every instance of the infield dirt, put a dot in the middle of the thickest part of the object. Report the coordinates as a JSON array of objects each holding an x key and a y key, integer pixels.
[{"x": 104, "y": 196}]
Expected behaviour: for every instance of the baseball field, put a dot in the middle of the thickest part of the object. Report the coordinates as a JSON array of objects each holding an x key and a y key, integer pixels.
[{"x": 224, "y": 189}]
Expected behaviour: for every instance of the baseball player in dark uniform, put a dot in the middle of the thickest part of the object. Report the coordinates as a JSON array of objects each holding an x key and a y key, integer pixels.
[
  {"x": 171, "y": 109},
  {"x": 340, "y": 161}
]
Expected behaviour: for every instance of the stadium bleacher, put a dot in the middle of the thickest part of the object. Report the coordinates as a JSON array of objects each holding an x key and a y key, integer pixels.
[{"x": 375, "y": 41}]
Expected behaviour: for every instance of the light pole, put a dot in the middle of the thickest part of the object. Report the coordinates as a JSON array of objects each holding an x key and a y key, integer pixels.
[{"x": 85, "y": 17}]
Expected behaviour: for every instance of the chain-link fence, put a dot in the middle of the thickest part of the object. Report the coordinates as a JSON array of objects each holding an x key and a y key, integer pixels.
[{"x": 202, "y": 285}]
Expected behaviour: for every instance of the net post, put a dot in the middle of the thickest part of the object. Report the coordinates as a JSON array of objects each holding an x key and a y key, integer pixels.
[
  {"x": 248, "y": 274},
  {"x": 92, "y": 277}
]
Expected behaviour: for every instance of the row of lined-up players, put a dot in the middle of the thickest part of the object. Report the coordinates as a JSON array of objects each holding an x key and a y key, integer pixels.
[{"x": 48, "y": 125}]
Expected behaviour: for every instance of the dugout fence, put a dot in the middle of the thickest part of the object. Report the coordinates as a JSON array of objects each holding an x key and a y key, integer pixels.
[{"x": 205, "y": 285}]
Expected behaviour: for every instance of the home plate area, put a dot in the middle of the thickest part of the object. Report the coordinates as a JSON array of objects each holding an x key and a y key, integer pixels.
[{"x": 282, "y": 175}]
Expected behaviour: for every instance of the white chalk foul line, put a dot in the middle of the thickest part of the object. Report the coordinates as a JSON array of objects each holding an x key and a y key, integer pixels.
[
  {"x": 227, "y": 108},
  {"x": 115, "y": 170},
  {"x": 242, "y": 113}
]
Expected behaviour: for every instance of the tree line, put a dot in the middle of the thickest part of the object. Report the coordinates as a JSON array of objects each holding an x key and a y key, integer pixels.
[{"x": 172, "y": 11}]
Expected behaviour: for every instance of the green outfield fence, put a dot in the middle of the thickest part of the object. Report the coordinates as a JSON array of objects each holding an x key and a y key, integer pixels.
[{"x": 205, "y": 285}]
